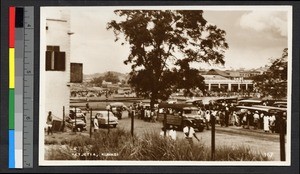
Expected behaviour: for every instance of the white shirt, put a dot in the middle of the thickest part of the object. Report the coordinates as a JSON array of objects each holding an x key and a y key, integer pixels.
[
  {"x": 96, "y": 125},
  {"x": 172, "y": 134},
  {"x": 186, "y": 130},
  {"x": 207, "y": 116},
  {"x": 214, "y": 113},
  {"x": 272, "y": 119},
  {"x": 256, "y": 116}
]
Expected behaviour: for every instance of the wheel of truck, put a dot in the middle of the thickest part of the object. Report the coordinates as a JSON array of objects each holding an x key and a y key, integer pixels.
[
  {"x": 114, "y": 125},
  {"x": 79, "y": 128}
]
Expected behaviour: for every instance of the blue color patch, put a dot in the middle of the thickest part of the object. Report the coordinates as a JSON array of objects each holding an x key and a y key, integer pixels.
[{"x": 11, "y": 149}]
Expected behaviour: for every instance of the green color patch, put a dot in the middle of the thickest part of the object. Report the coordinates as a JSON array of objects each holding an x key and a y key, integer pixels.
[{"x": 11, "y": 120}]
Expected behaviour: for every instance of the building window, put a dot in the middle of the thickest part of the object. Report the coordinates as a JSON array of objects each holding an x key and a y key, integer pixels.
[
  {"x": 76, "y": 73},
  {"x": 55, "y": 59}
]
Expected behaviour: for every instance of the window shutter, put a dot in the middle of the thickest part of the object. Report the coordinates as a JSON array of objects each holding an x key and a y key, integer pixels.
[
  {"x": 49, "y": 48},
  {"x": 60, "y": 61},
  {"x": 56, "y": 48},
  {"x": 48, "y": 60},
  {"x": 53, "y": 48},
  {"x": 76, "y": 73}
]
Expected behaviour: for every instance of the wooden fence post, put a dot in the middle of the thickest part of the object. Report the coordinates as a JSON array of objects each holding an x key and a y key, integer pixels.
[
  {"x": 63, "y": 124},
  {"x": 282, "y": 137},
  {"x": 213, "y": 123},
  {"x": 91, "y": 121},
  {"x": 132, "y": 122},
  {"x": 75, "y": 129}
]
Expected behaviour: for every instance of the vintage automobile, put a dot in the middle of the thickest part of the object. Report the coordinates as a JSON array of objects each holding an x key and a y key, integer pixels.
[
  {"x": 106, "y": 118},
  {"x": 230, "y": 100},
  {"x": 177, "y": 115},
  {"x": 79, "y": 113},
  {"x": 250, "y": 102},
  {"x": 280, "y": 104},
  {"x": 77, "y": 123},
  {"x": 117, "y": 109},
  {"x": 195, "y": 102}
]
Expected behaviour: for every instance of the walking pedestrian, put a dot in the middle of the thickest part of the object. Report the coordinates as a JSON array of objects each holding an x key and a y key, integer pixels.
[{"x": 189, "y": 132}]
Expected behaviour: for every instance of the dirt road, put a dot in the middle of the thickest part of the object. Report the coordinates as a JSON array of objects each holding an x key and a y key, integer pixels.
[{"x": 259, "y": 142}]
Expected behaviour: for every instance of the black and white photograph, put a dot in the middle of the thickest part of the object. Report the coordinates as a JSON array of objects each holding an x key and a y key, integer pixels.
[{"x": 165, "y": 85}]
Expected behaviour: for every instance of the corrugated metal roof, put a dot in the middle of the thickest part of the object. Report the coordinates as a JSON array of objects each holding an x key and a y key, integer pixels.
[{"x": 217, "y": 72}]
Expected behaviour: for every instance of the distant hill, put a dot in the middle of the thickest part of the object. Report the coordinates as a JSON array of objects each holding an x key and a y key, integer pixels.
[{"x": 121, "y": 76}]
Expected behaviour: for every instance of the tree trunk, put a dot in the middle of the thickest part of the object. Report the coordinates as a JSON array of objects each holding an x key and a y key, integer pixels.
[{"x": 153, "y": 98}]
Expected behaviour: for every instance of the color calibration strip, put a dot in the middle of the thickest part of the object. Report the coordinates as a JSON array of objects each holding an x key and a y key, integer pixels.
[
  {"x": 11, "y": 148},
  {"x": 19, "y": 63},
  {"x": 21, "y": 87}
]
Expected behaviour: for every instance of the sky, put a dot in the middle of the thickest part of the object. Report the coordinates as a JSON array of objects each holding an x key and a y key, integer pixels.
[{"x": 254, "y": 35}]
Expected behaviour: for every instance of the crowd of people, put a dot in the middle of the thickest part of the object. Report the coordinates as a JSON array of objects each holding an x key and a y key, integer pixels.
[
  {"x": 143, "y": 111},
  {"x": 227, "y": 114}
]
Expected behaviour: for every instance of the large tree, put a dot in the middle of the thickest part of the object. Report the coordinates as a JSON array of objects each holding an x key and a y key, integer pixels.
[
  {"x": 163, "y": 44},
  {"x": 108, "y": 77},
  {"x": 274, "y": 81},
  {"x": 97, "y": 81},
  {"x": 111, "y": 77}
]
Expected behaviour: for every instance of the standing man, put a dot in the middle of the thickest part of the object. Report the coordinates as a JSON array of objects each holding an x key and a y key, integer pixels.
[
  {"x": 272, "y": 123},
  {"x": 130, "y": 111},
  {"x": 266, "y": 123},
  {"x": 249, "y": 117},
  {"x": 95, "y": 123},
  {"x": 49, "y": 123},
  {"x": 87, "y": 106},
  {"x": 207, "y": 118},
  {"x": 226, "y": 115},
  {"x": 256, "y": 120},
  {"x": 189, "y": 132}
]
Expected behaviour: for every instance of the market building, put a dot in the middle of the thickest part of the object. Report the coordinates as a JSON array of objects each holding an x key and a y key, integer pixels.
[{"x": 217, "y": 80}]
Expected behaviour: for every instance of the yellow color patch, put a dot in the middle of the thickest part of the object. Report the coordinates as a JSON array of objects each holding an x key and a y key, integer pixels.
[{"x": 11, "y": 68}]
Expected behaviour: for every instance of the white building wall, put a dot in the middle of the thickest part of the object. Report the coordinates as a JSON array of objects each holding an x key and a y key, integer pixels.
[
  {"x": 217, "y": 79},
  {"x": 54, "y": 85}
]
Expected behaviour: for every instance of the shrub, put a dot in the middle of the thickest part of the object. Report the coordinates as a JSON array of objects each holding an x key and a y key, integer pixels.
[
  {"x": 59, "y": 153},
  {"x": 151, "y": 147},
  {"x": 51, "y": 142},
  {"x": 238, "y": 153}
]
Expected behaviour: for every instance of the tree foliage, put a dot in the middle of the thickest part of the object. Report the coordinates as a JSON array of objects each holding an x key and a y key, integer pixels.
[
  {"x": 110, "y": 77},
  {"x": 274, "y": 81},
  {"x": 97, "y": 81},
  {"x": 163, "y": 44}
]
